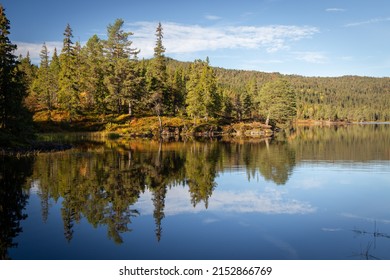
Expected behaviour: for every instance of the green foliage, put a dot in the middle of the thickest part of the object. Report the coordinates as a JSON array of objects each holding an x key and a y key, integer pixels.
[
  {"x": 120, "y": 72},
  {"x": 156, "y": 79},
  {"x": 94, "y": 90},
  {"x": 45, "y": 86},
  {"x": 105, "y": 77},
  {"x": 15, "y": 119},
  {"x": 203, "y": 99},
  {"x": 68, "y": 95},
  {"x": 277, "y": 100}
]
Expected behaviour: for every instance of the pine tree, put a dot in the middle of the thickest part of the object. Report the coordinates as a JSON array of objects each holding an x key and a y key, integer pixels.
[
  {"x": 15, "y": 120},
  {"x": 29, "y": 71},
  {"x": 247, "y": 104},
  {"x": 177, "y": 90},
  {"x": 203, "y": 98},
  {"x": 42, "y": 85},
  {"x": 195, "y": 97},
  {"x": 277, "y": 101},
  {"x": 55, "y": 69},
  {"x": 93, "y": 75},
  {"x": 157, "y": 78},
  {"x": 119, "y": 54},
  {"x": 248, "y": 98},
  {"x": 212, "y": 97},
  {"x": 68, "y": 95}
]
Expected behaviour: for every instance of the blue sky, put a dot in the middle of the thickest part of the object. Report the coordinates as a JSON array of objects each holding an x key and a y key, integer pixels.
[{"x": 304, "y": 37}]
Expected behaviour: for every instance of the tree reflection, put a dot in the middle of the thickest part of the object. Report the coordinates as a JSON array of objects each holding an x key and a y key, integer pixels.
[
  {"x": 200, "y": 167},
  {"x": 103, "y": 183},
  {"x": 13, "y": 198},
  {"x": 357, "y": 143},
  {"x": 274, "y": 160}
]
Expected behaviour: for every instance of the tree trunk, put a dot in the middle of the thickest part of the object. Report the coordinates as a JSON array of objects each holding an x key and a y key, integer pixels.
[
  {"x": 267, "y": 120},
  {"x": 160, "y": 124},
  {"x": 130, "y": 110}
]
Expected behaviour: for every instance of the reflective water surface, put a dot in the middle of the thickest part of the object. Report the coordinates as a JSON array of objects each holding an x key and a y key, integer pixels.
[{"x": 312, "y": 193}]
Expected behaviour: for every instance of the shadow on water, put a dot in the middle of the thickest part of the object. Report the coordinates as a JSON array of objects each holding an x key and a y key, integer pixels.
[{"x": 13, "y": 199}]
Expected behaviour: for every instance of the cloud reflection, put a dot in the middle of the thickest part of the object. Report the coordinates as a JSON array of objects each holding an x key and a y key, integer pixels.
[
  {"x": 178, "y": 201},
  {"x": 367, "y": 219}
]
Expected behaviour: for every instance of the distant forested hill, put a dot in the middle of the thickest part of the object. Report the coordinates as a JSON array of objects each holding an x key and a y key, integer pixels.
[{"x": 351, "y": 98}]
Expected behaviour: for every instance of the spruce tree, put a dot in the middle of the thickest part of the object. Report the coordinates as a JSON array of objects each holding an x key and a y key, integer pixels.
[
  {"x": 42, "y": 85},
  {"x": 55, "y": 69},
  {"x": 195, "y": 97},
  {"x": 68, "y": 95},
  {"x": 15, "y": 120},
  {"x": 212, "y": 97},
  {"x": 29, "y": 71},
  {"x": 92, "y": 72},
  {"x": 157, "y": 78},
  {"x": 177, "y": 91},
  {"x": 203, "y": 98}
]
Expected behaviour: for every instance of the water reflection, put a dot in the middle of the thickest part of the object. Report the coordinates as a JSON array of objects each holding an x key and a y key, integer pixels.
[
  {"x": 351, "y": 143},
  {"x": 102, "y": 183},
  {"x": 115, "y": 184},
  {"x": 13, "y": 198}
]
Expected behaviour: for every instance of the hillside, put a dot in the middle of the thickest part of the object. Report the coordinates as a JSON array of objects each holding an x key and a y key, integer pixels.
[{"x": 352, "y": 98}]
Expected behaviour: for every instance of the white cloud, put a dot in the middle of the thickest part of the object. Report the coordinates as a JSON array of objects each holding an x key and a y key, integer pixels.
[
  {"x": 370, "y": 21},
  {"x": 311, "y": 57},
  {"x": 212, "y": 17},
  {"x": 333, "y": 10},
  {"x": 179, "y": 38}
]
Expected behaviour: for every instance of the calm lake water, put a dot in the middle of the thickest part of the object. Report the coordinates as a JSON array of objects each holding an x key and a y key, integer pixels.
[{"x": 314, "y": 193}]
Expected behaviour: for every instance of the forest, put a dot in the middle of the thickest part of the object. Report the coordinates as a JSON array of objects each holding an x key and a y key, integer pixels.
[{"x": 105, "y": 78}]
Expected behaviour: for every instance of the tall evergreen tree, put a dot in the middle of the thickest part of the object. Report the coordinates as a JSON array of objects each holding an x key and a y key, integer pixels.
[
  {"x": 203, "y": 99},
  {"x": 248, "y": 98},
  {"x": 42, "y": 85},
  {"x": 29, "y": 71},
  {"x": 212, "y": 97},
  {"x": 157, "y": 78},
  {"x": 68, "y": 95},
  {"x": 177, "y": 91},
  {"x": 119, "y": 53},
  {"x": 195, "y": 99},
  {"x": 55, "y": 69},
  {"x": 14, "y": 117},
  {"x": 93, "y": 75},
  {"x": 277, "y": 101}
]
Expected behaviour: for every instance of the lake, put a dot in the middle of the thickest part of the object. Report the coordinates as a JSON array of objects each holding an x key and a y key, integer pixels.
[{"x": 311, "y": 193}]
